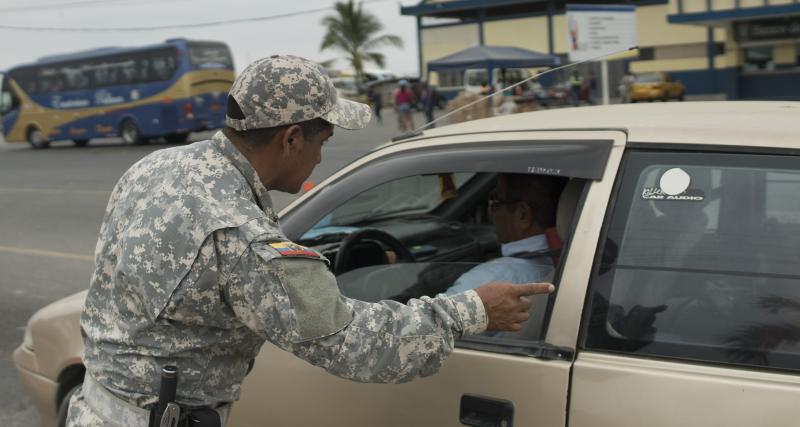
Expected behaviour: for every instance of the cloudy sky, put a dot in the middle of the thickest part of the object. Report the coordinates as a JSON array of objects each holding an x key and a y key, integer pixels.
[{"x": 299, "y": 34}]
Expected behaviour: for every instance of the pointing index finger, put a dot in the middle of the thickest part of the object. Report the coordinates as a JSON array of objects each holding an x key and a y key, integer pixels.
[{"x": 534, "y": 289}]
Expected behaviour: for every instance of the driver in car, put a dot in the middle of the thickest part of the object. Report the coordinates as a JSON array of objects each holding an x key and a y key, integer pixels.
[{"x": 523, "y": 208}]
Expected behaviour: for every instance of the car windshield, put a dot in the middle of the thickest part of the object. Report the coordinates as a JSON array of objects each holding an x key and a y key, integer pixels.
[
  {"x": 345, "y": 84},
  {"x": 411, "y": 195},
  {"x": 648, "y": 78}
]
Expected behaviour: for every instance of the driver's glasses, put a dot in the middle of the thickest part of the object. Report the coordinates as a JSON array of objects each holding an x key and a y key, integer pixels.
[{"x": 495, "y": 201}]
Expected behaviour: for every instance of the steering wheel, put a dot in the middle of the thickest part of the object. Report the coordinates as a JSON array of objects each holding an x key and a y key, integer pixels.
[{"x": 372, "y": 234}]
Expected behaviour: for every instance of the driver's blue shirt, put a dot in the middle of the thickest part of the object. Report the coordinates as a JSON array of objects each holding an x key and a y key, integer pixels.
[{"x": 507, "y": 268}]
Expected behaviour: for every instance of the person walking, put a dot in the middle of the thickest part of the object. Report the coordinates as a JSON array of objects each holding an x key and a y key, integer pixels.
[
  {"x": 428, "y": 100},
  {"x": 376, "y": 99},
  {"x": 624, "y": 87},
  {"x": 592, "y": 88},
  {"x": 576, "y": 85},
  {"x": 193, "y": 274},
  {"x": 403, "y": 99}
]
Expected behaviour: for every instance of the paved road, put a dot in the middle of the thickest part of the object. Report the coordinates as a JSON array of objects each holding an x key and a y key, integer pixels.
[{"x": 52, "y": 202}]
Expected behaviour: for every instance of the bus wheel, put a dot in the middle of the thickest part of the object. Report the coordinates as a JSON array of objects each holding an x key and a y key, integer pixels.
[
  {"x": 130, "y": 133},
  {"x": 80, "y": 142},
  {"x": 177, "y": 138},
  {"x": 36, "y": 138}
]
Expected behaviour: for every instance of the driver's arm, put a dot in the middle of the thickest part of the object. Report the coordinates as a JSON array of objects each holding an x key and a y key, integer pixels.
[{"x": 291, "y": 298}]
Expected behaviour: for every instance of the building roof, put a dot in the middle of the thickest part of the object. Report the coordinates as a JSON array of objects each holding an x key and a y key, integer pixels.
[
  {"x": 466, "y": 9},
  {"x": 493, "y": 57},
  {"x": 746, "y": 123}
]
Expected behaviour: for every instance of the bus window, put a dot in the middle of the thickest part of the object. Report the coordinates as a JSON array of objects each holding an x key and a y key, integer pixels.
[
  {"x": 8, "y": 99},
  {"x": 210, "y": 55}
]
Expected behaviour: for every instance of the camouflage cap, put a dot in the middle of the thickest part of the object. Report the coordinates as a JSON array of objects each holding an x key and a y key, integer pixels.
[{"x": 285, "y": 89}]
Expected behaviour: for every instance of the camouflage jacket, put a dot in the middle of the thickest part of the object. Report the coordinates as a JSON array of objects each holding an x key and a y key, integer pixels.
[{"x": 192, "y": 269}]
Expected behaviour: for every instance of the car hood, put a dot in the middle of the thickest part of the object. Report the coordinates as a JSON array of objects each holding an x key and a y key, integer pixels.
[{"x": 55, "y": 334}]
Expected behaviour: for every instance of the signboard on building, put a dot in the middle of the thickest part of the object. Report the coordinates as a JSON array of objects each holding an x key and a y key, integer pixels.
[
  {"x": 595, "y": 30},
  {"x": 768, "y": 29}
]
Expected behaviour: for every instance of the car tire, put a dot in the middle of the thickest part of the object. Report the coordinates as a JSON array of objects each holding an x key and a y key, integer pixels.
[
  {"x": 681, "y": 97},
  {"x": 130, "y": 133},
  {"x": 80, "y": 142},
  {"x": 177, "y": 138},
  {"x": 63, "y": 407},
  {"x": 36, "y": 138}
]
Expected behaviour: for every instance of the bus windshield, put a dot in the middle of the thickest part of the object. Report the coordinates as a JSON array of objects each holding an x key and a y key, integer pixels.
[{"x": 210, "y": 55}]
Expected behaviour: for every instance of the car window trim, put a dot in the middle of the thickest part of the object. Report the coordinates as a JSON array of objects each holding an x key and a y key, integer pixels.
[
  {"x": 516, "y": 347},
  {"x": 473, "y": 158},
  {"x": 712, "y": 148}
]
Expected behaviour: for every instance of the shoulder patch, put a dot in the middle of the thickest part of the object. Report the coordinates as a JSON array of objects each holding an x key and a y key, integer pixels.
[{"x": 289, "y": 249}]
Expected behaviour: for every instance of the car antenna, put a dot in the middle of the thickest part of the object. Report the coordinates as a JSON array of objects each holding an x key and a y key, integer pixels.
[{"x": 418, "y": 131}]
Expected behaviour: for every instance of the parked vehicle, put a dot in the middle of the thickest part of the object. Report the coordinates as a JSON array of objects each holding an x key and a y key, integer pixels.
[
  {"x": 658, "y": 86},
  {"x": 676, "y": 304},
  {"x": 164, "y": 90},
  {"x": 349, "y": 88},
  {"x": 475, "y": 78}
]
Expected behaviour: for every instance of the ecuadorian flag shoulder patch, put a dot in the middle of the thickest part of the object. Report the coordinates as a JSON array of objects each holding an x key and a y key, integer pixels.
[{"x": 289, "y": 249}]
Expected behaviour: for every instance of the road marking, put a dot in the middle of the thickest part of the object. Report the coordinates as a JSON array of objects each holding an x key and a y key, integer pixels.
[
  {"x": 54, "y": 191},
  {"x": 54, "y": 254}
]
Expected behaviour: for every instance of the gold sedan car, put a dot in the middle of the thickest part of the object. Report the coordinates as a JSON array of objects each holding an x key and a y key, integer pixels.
[
  {"x": 656, "y": 87},
  {"x": 677, "y": 298}
]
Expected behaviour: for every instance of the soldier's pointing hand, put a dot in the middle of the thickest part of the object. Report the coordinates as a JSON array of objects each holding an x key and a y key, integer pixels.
[{"x": 506, "y": 305}]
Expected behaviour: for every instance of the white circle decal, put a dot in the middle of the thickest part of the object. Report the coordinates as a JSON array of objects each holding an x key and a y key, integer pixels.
[{"x": 674, "y": 181}]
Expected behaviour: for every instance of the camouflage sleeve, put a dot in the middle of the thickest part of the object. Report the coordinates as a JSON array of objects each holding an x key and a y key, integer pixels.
[{"x": 294, "y": 302}]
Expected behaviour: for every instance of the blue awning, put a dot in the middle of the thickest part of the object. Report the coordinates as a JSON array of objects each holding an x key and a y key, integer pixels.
[{"x": 491, "y": 57}]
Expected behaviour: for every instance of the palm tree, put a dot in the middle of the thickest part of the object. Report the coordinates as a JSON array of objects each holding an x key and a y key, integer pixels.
[{"x": 353, "y": 31}]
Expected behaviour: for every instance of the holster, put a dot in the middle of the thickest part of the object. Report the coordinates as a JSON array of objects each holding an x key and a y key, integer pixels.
[{"x": 192, "y": 417}]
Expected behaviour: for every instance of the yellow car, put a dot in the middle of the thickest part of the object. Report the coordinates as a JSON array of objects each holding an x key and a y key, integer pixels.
[
  {"x": 677, "y": 300},
  {"x": 656, "y": 87}
]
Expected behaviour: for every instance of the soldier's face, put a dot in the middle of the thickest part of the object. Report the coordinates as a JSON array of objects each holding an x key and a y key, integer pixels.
[{"x": 307, "y": 155}]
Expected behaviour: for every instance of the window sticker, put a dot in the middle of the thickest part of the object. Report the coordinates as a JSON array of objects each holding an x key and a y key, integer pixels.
[{"x": 674, "y": 185}]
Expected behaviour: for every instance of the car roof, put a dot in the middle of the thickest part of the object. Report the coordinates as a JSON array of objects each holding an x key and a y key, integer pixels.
[{"x": 739, "y": 123}]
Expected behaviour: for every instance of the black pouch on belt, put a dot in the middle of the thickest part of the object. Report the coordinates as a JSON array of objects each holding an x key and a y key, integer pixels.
[{"x": 203, "y": 417}]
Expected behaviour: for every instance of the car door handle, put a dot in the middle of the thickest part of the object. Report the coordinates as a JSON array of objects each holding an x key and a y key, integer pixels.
[{"x": 482, "y": 411}]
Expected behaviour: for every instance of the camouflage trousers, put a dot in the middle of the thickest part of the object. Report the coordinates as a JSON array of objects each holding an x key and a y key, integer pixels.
[
  {"x": 81, "y": 414},
  {"x": 94, "y": 406}
]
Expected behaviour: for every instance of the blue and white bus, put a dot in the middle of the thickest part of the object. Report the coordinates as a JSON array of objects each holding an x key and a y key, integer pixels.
[{"x": 164, "y": 90}]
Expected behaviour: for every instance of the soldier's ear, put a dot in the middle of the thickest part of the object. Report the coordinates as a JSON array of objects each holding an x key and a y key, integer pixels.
[{"x": 291, "y": 138}]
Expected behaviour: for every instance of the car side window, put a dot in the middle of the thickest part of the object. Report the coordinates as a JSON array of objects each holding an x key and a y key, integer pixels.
[
  {"x": 700, "y": 261},
  {"x": 446, "y": 232}
]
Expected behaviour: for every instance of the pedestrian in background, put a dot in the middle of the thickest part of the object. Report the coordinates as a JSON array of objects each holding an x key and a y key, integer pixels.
[
  {"x": 376, "y": 98},
  {"x": 624, "y": 88},
  {"x": 403, "y": 98},
  {"x": 592, "y": 86},
  {"x": 193, "y": 270},
  {"x": 576, "y": 85},
  {"x": 428, "y": 100}
]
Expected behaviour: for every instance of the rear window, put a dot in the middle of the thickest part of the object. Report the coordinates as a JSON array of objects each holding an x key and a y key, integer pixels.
[
  {"x": 648, "y": 78},
  {"x": 701, "y": 261}
]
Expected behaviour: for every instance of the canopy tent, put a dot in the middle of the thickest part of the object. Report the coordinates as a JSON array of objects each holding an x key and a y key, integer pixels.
[{"x": 492, "y": 57}]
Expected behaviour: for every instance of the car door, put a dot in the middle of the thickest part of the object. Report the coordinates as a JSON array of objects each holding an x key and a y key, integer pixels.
[
  {"x": 488, "y": 380},
  {"x": 694, "y": 300}
]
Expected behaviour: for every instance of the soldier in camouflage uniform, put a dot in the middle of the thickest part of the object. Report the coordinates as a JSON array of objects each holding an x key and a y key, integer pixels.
[{"x": 192, "y": 268}]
